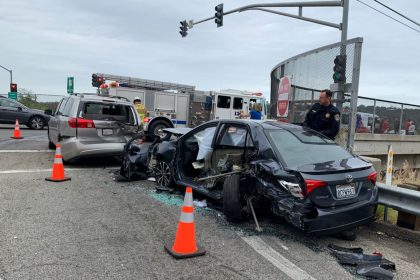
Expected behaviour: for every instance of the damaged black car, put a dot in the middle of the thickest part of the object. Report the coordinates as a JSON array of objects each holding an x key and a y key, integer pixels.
[{"x": 295, "y": 172}]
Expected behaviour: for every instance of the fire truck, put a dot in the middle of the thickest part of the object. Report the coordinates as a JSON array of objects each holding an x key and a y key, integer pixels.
[{"x": 170, "y": 105}]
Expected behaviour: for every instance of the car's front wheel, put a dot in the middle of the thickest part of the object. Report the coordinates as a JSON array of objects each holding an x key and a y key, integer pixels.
[
  {"x": 37, "y": 122},
  {"x": 163, "y": 174},
  {"x": 234, "y": 204}
]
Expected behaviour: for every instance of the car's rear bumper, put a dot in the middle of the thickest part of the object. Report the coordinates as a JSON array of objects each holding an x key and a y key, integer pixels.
[
  {"x": 332, "y": 220},
  {"x": 72, "y": 148}
]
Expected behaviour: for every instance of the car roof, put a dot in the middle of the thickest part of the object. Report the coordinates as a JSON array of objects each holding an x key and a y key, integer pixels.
[
  {"x": 94, "y": 97},
  {"x": 265, "y": 124}
]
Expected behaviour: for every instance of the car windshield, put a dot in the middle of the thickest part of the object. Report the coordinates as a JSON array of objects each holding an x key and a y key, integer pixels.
[{"x": 301, "y": 147}]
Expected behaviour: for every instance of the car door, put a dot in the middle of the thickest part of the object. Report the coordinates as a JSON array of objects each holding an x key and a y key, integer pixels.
[
  {"x": 230, "y": 148},
  {"x": 54, "y": 123},
  {"x": 194, "y": 150},
  {"x": 12, "y": 111},
  {"x": 223, "y": 107},
  {"x": 239, "y": 105}
]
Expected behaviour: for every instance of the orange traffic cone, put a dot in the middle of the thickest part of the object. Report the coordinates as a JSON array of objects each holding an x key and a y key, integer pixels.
[
  {"x": 185, "y": 245},
  {"x": 16, "y": 132},
  {"x": 58, "y": 167}
]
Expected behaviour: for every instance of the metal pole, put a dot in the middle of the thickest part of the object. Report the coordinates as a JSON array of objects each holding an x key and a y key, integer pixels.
[
  {"x": 10, "y": 72},
  {"x": 354, "y": 95},
  {"x": 344, "y": 22},
  {"x": 401, "y": 118},
  {"x": 374, "y": 119}
]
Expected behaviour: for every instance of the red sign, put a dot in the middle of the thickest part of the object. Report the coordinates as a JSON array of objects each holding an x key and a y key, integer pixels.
[{"x": 283, "y": 97}]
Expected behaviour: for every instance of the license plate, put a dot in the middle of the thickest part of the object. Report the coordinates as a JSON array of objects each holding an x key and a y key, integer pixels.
[
  {"x": 346, "y": 191},
  {"x": 107, "y": 132}
]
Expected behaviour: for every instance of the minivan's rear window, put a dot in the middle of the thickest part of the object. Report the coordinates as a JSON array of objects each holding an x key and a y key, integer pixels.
[
  {"x": 105, "y": 111},
  {"x": 301, "y": 147}
]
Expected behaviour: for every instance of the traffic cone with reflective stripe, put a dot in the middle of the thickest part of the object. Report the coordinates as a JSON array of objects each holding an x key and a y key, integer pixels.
[
  {"x": 185, "y": 245},
  {"x": 57, "y": 174},
  {"x": 16, "y": 132}
]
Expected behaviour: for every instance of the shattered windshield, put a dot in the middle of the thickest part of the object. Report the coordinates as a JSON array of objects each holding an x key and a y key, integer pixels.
[{"x": 301, "y": 147}]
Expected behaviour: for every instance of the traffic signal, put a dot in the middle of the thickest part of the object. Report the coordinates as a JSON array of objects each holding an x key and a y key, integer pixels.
[
  {"x": 97, "y": 81},
  {"x": 339, "y": 75},
  {"x": 184, "y": 28},
  {"x": 13, "y": 87},
  {"x": 219, "y": 15}
]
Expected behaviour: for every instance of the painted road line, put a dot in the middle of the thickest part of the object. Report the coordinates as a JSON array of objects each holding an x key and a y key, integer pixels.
[
  {"x": 275, "y": 258},
  {"x": 27, "y": 151},
  {"x": 48, "y": 170}
]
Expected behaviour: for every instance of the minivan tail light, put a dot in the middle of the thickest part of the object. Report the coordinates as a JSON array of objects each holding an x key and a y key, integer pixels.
[
  {"x": 372, "y": 177},
  {"x": 313, "y": 184},
  {"x": 81, "y": 123}
]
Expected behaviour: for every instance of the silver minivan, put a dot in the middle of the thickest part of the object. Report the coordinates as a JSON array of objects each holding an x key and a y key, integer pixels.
[{"x": 91, "y": 125}]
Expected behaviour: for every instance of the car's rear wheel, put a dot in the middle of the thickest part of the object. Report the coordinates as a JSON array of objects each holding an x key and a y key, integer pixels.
[
  {"x": 156, "y": 129},
  {"x": 36, "y": 122},
  {"x": 234, "y": 204},
  {"x": 163, "y": 174}
]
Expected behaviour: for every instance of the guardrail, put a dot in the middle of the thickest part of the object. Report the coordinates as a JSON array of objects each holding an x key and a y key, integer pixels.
[{"x": 400, "y": 199}]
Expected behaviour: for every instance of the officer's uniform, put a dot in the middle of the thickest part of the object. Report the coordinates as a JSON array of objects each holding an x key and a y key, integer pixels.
[{"x": 325, "y": 120}]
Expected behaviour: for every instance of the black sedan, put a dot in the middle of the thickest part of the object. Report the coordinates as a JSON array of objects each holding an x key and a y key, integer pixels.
[
  {"x": 294, "y": 172},
  {"x": 11, "y": 110}
]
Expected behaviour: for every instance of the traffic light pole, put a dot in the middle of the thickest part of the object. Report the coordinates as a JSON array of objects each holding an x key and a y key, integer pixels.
[
  {"x": 10, "y": 72},
  {"x": 300, "y": 5},
  {"x": 343, "y": 27}
]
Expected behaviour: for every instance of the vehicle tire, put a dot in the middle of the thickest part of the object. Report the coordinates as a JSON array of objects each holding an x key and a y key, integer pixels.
[
  {"x": 163, "y": 174},
  {"x": 233, "y": 199},
  {"x": 156, "y": 128},
  {"x": 36, "y": 122}
]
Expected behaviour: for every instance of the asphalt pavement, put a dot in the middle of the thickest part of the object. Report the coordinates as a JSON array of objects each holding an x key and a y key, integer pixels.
[{"x": 94, "y": 227}]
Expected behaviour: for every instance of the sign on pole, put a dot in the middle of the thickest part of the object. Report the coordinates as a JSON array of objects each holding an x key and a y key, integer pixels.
[
  {"x": 12, "y": 95},
  {"x": 70, "y": 85},
  {"x": 388, "y": 178},
  {"x": 283, "y": 97}
]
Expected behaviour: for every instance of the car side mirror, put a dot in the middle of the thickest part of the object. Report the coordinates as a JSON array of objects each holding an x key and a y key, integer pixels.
[
  {"x": 48, "y": 112},
  {"x": 19, "y": 109}
]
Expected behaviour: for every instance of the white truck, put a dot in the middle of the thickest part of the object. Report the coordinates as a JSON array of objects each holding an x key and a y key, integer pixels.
[{"x": 175, "y": 105}]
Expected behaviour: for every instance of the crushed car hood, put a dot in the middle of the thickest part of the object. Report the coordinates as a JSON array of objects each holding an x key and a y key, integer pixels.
[
  {"x": 353, "y": 163},
  {"x": 177, "y": 131}
]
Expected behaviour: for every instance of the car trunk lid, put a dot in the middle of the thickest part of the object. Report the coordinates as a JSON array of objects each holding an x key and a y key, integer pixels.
[{"x": 335, "y": 183}]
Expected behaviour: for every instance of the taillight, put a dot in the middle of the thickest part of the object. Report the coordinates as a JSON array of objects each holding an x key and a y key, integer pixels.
[
  {"x": 145, "y": 119},
  {"x": 372, "y": 177},
  {"x": 313, "y": 184},
  {"x": 81, "y": 123}
]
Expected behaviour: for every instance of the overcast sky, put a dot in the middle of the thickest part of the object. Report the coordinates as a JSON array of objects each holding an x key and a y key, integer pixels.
[{"x": 45, "y": 41}]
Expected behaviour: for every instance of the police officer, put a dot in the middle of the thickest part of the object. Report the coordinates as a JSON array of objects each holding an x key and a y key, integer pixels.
[{"x": 323, "y": 116}]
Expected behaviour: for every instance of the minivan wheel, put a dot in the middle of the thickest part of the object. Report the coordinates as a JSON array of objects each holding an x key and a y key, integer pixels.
[
  {"x": 163, "y": 174},
  {"x": 233, "y": 200},
  {"x": 156, "y": 129},
  {"x": 37, "y": 122}
]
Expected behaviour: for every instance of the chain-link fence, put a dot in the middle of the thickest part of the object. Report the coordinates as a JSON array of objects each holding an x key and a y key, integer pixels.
[
  {"x": 38, "y": 101},
  {"x": 314, "y": 70}
]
